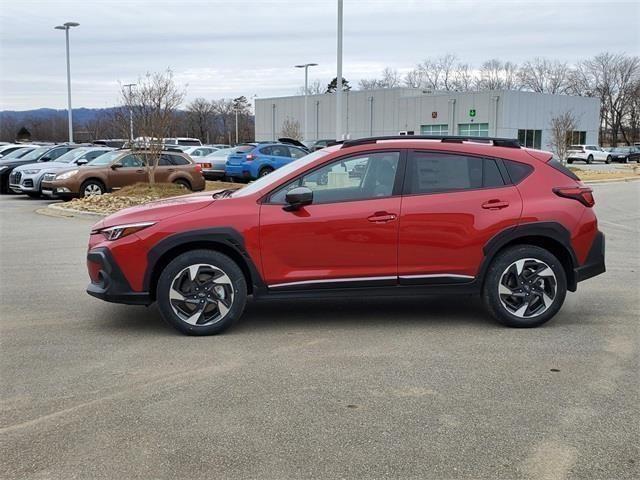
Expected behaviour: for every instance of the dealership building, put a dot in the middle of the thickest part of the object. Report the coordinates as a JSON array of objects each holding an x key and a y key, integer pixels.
[{"x": 511, "y": 114}]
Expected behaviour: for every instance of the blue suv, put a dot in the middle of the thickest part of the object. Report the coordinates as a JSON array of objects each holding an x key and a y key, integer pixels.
[{"x": 249, "y": 162}]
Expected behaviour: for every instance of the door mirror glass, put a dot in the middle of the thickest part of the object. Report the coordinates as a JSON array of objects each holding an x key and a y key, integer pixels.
[
  {"x": 82, "y": 161},
  {"x": 297, "y": 198},
  {"x": 115, "y": 166}
]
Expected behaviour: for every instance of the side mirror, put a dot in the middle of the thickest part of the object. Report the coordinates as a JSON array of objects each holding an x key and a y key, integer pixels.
[
  {"x": 297, "y": 198},
  {"x": 82, "y": 161},
  {"x": 115, "y": 166}
]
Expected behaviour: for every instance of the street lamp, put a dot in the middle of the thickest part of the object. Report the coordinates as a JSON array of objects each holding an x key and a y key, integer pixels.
[
  {"x": 306, "y": 92},
  {"x": 130, "y": 86},
  {"x": 339, "y": 76},
  {"x": 66, "y": 28}
]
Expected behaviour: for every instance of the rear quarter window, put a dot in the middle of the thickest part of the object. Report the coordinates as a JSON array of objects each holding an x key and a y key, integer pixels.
[
  {"x": 555, "y": 164},
  {"x": 178, "y": 160},
  {"x": 517, "y": 171}
]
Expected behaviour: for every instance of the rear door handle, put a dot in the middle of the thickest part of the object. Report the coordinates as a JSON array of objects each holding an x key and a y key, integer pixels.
[
  {"x": 139, "y": 171},
  {"x": 495, "y": 204},
  {"x": 382, "y": 217}
]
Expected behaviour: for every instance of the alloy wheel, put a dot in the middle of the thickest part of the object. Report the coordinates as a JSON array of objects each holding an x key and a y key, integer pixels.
[
  {"x": 201, "y": 294},
  {"x": 527, "y": 288},
  {"x": 92, "y": 189}
]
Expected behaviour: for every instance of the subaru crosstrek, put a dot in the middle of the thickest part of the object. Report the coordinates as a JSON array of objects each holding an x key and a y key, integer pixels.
[
  {"x": 253, "y": 161},
  {"x": 421, "y": 216}
]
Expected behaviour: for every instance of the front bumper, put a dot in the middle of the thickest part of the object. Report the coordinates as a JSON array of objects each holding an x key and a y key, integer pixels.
[
  {"x": 108, "y": 283},
  {"x": 594, "y": 264}
]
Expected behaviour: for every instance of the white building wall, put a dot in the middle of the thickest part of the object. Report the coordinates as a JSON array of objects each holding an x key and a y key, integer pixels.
[{"x": 406, "y": 109}]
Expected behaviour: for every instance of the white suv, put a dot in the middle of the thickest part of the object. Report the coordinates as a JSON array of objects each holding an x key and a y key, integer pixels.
[{"x": 587, "y": 153}]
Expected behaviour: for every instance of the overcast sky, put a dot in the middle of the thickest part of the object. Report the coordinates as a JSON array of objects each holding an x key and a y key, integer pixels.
[{"x": 243, "y": 47}]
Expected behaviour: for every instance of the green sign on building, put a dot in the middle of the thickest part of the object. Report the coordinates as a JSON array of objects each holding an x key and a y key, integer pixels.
[{"x": 472, "y": 112}]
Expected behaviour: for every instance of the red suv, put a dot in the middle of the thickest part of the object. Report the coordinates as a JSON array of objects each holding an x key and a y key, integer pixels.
[{"x": 375, "y": 216}]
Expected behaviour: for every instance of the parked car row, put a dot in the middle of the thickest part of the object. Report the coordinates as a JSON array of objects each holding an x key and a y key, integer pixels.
[
  {"x": 78, "y": 170},
  {"x": 591, "y": 153}
]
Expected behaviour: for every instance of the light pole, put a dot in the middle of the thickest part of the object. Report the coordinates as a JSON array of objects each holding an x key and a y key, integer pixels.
[
  {"x": 306, "y": 92},
  {"x": 66, "y": 28},
  {"x": 339, "y": 76},
  {"x": 130, "y": 86}
]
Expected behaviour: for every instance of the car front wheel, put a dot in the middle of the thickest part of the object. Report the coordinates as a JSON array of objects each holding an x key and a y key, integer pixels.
[
  {"x": 92, "y": 187},
  {"x": 201, "y": 292},
  {"x": 525, "y": 286},
  {"x": 608, "y": 160}
]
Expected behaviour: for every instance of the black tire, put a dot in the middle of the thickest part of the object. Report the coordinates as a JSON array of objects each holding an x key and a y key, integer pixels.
[
  {"x": 590, "y": 159},
  {"x": 570, "y": 161},
  {"x": 235, "y": 293},
  {"x": 94, "y": 185},
  {"x": 626, "y": 160},
  {"x": 33, "y": 194},
  {"x": 608, "y": 160},
  {"x": 183, "y": 183},
  {"x": 264, "y": 172},
  {"x": 499, "y": 268}
]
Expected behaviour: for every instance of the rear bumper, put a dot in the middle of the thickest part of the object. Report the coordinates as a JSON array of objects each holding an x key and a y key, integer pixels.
[
  {"x": 594, "y": 265},
  {"x": 110, "y": 283}
]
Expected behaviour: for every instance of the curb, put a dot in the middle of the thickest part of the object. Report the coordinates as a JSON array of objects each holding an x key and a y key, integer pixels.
[
  {"x": 73, "y": 212},
  {"x": 612, "y": 180}
]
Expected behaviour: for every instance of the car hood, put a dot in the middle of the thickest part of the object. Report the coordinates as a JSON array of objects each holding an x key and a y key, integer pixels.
[
  {"x": 158, "y": 210},
  {"x": 49, "y": 166}
]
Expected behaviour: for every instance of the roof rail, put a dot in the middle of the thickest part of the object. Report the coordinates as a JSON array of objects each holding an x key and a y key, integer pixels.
[{"x": 496, "y": 142}]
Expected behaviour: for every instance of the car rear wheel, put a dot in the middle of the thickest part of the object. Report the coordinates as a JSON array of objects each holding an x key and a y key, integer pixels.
[
  {"x": 183, "y": 183},
  {"x": 590, "y": 159},
  {"x": 92, "y": 187},
  {"x": 525, "y": 286},
  {"x": 265, "y": 171},
  {"x": 608, "y": 160},
  {"x": 201, "y": 292},
  {"x": 570, "y": 161}
]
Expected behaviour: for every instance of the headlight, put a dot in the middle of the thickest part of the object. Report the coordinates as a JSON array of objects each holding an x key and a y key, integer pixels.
[
  {"x": 30, "y": 172},
  {"x": 65, "y": 175},
  {"x": 119, "y": 231}
]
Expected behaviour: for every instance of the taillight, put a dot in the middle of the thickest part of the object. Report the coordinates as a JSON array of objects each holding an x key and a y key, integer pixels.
[
  {"x": 250, "y": 156},
  {"x": 582, "y": 194},
  {"x": 198, "y": 168},
  {"x": 205, "y": 165}
]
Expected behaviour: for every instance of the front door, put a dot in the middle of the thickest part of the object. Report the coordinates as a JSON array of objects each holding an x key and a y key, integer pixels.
[
  {"x": 451, "y": 207},
  {"x": 128, "y": 171},
  {"x": 346, "y": 237}
]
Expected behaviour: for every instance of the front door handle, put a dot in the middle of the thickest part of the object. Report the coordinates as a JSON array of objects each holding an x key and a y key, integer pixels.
[
  {"x": 495, "y": 204},
  {"x": 382, "y": 217},
  {"x": 139, "y": 171}
]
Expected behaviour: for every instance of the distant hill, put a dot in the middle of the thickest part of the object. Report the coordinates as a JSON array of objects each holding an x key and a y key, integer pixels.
[{"x": 80, "y": 115}]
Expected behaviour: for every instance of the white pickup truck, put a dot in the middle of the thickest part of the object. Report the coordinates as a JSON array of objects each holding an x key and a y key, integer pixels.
[{"x": 587, "y": 153}]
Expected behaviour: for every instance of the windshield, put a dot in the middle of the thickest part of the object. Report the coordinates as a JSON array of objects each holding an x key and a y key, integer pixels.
[
  {"x": 18, "y": 153},
  {"x": 280, "y": 173},
  {"x": 37, "y": 153},
  {"x": 71, "y": 155},
  {"x": 105, "y": 159},
  {"x": 222, "y": 152}
]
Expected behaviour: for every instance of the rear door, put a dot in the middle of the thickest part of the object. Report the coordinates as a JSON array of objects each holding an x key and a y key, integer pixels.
[
  {"x": 452, "y": 205},
  {"x": 280, "y": 155}
]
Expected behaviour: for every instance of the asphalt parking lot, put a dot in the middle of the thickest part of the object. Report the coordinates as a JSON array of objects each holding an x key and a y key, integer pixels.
[{"x": 383, "y": 388}]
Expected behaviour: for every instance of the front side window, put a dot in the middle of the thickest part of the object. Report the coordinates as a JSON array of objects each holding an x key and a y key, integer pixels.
[
  {"x": 432, "y": 172},
  {"x": 131, "y": 161},
  {"x": 355, "y": 178}
]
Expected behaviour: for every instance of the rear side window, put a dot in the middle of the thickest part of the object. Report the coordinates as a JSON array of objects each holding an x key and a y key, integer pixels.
[
  {"x": 430, "y": 172},
  {"x": 296, "y": 152},
  {"x": 562, "y": 169},
  {"x": 280, "y": 151},
  {"x": 178, "y": 160},
  {"x": 517, "y": 171}
]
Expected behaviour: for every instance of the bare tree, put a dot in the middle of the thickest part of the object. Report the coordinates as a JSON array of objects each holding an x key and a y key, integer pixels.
[
  {"x": 561, "y": 128},
  {"x": 390, "y": 79},
  {"x": 544, "y": 76},
  {"x": 611, "y": 78},
  {"x": 199, "y": 117},
  {"x": 153, "y": 102},
  {"x": 498, "y": 75},
  {"x": 291, "y": 129},
  {"x": 315, "y": 87}
]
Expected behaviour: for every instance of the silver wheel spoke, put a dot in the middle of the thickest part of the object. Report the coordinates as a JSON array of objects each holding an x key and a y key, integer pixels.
[
  {"x": 193, "y": 319},
  {"x": 175, "y": 295},
  {"x": 519, "y": 266},
  {"x": 547, "y": 300},
  {"x": 547, "y": 272},
  {"x": 193, "y": 272},
  {"x": 504, "y": 290},
  {"x": 222, "y": 308}
]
